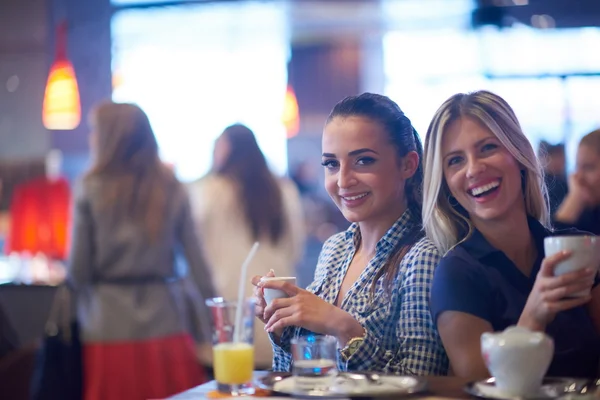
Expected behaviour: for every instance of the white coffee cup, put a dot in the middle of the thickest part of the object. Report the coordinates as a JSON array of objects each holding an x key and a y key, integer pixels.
[
  {"x": 272, "y": 294},
  {"x": 585, "y": 252},
  {"x": 518, "y": 359}
]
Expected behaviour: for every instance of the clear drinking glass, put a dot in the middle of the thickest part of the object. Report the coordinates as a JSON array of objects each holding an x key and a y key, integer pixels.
[
  {"x": 233, "y": 358},
  {"x": 315, "y": 363}
]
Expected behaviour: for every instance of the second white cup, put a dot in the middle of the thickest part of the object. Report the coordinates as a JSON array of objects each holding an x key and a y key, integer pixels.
[
  {"x": 272, "y": 294},
  {"x": 585, "y": 253}
]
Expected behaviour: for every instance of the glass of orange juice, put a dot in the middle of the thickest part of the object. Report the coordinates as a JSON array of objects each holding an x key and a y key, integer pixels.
[{"x": 233, "y": 358}]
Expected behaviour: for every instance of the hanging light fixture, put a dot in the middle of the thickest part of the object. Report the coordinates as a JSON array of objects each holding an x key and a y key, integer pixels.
[
  {"x": 62, "y": 108},
  {"x": 291, "y": 113}
]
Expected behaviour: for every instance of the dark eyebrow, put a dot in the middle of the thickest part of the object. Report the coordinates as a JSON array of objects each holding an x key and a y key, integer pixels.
[
  {"x": 360, "y": 151},
  {"x": 477, "y": 144},
  {"x": 352, "y": 153}
]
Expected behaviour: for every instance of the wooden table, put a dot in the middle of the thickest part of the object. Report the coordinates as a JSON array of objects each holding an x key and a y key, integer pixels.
[{"x": 439, "y": 386}]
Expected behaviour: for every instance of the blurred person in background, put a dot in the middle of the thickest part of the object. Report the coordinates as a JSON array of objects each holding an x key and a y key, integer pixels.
[
  {"x": 240, "y": 202},
  {"x": 131, "y": 217},
  {"x": 304, "y": 178},
  {"x": 553, "y": 160},
  {"x": 581, "y": 207}
]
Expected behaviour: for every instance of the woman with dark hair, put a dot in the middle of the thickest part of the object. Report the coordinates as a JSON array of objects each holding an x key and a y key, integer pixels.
[
  {"x": 241, "y": 202},
  {"x": 131, "y": 217},
  {"x": 372, "y": 282}
]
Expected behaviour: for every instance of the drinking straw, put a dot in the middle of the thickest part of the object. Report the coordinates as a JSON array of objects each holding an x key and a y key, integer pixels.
[{"x": 237, "y": 329}]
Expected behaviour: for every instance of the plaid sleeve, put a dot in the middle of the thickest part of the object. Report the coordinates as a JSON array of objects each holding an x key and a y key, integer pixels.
[
  {"x": 282, "y": 356},
  {"x": 420, "y": 351}
]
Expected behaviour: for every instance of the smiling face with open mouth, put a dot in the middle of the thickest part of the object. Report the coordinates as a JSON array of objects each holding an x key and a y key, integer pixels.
[
  {"x": 363, "y": 174},
  {"x": 480, "y": 172}
]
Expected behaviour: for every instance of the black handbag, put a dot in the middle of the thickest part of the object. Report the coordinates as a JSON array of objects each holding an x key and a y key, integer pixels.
[{"x": 58, "y": 371}]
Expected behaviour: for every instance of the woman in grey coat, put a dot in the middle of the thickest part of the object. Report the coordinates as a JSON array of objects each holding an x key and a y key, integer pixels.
[{"x": 132, "y": 219}]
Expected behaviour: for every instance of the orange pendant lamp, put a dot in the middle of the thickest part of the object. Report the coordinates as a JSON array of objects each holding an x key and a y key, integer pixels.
[
  {"x": 291, "y": 113},
  {"x": 62, "y": 108}
]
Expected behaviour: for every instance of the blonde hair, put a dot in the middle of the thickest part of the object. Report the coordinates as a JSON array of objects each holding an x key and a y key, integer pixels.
[
  {"x": 448, "y": 224},
  {"x": 135, "y": 183}
]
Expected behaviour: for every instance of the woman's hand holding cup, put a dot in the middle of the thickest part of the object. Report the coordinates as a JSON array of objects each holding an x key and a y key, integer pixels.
[
  {"x": 552, "y": 294},
  {"x": 265, "y": 296},
  {"x": 584, "y": 254},
  {"x": 271, "y": 294},
  {"x": 259, "y": 297}
]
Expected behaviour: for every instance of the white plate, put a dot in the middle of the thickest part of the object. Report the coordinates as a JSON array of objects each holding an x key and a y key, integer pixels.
[
  {"x": 552, "y": 388},
  {"x": 349, "y": 385}
]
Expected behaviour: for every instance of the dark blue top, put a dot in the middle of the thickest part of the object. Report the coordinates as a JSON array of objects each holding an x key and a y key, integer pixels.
[
  {"x": 588, "y": 221},
  {"x": 478, "y": 279}
]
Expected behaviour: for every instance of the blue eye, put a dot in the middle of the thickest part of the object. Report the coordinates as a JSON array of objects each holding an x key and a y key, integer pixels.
[{"x": 489, "y": 146}]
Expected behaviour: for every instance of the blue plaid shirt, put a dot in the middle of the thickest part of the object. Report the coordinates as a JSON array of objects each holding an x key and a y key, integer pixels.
[{"x": 401, "y": 337}]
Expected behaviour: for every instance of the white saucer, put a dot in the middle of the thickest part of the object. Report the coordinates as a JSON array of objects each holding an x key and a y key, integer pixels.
[
  {"x": 552, "y": 388},
  {"x": 350, "y": 385}
]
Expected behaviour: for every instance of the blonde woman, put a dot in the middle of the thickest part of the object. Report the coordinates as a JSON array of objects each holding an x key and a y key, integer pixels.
[
  {"x": 485, "y": 209},
  {"x": 131, "y": 215}
]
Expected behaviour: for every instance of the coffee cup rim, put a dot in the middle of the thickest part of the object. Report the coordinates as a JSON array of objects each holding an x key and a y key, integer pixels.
[
  {"x": 277, "y": 278},
  {"x": 582, "y": 237}
]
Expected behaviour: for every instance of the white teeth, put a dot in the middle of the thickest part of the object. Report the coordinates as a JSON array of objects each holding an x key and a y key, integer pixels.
[
  {"x": 360, "y": 196},
  {"x": 482, "y": 189}
]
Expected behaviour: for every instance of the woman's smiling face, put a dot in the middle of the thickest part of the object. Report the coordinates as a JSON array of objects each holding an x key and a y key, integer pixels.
[
  {"x": 364, "y": 175},
  {"x": 480, "y": 172}
]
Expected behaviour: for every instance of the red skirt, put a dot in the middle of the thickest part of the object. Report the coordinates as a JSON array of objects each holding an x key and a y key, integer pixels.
[{"x": 141, "y": 370}]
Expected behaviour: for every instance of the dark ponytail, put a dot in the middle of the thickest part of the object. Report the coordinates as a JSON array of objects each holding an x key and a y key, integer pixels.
[
  {"x": 405, "y": 138},
  {"x": 414, "y": 186}
]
